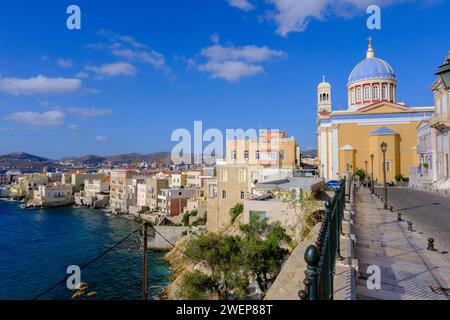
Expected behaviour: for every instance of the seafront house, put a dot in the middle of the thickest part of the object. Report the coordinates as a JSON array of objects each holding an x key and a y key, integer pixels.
[
  {"x": 76, "y": 178},
  {"x": 441, "y": 122},
  {"x": 53, "y": 195},
  {"x": 25, "y": 184},
  {"x": 348, "y": 139},
  {"x": 172, "y": 202},
  {"x": 147, "y": 192},
  {"x": 119, "y": 197},
  {"x": 95, "y": 193}
]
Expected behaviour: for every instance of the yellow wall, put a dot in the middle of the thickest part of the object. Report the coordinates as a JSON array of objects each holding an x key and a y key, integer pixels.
[{"x": 401, "y": 148}]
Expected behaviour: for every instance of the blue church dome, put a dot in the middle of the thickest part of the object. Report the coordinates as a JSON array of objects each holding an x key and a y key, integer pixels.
[{"x": 371, "y": 68}]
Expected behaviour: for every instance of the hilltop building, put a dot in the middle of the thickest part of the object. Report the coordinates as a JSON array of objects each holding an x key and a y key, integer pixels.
[{"x": 348, "y": 138}]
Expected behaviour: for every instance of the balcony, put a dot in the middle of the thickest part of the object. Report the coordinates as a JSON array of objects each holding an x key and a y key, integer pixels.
[{"x": 440, "y": 121}]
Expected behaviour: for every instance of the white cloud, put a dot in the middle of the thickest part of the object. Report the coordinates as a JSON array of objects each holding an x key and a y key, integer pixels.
[
  {"x": 125, "y": 46},
  {"x": 65, "y": 63},
  {"x": 295, "y": 15},
  {"x": 39, "y": 84},
  {"x": 114, "y": 69},
  {"x": 101, "y": 138},
  {"x": 90, "y": 112},
  {"x": 82, "y": 75},
  {"x": 247, "y": 53},
  {"x": 72, "y": 127},
  {"x": 231, "y": 70},
  {"x": 154, "y": 58},
  {"x": 49, "y": 118},
  {"x": 233, "y": 63},
  {"x": 242, "y": 4}
]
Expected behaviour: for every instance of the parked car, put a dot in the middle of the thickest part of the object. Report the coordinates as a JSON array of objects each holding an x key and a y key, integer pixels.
[{"x": 332, "y": 183}]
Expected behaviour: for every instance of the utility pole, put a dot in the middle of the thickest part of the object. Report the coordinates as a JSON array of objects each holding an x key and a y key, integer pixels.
[{"x": 144, "y": 262}]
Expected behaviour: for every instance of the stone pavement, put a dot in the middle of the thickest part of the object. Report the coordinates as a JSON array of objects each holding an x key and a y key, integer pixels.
[{"x": 408, "y": 270}]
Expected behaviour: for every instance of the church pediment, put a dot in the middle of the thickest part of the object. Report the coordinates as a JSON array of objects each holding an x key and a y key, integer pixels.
[{"x": 384, "y": 107}]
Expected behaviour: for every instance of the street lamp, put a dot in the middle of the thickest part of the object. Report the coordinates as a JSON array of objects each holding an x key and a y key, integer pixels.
[
  {"x": 444, "y": 73},
  {"x": 372, "y": 182},
  {"x": 383, "y": 149},
  {"x": 365, "y": 173}
]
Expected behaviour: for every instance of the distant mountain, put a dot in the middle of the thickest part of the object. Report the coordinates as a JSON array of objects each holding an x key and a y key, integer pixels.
[
  {"x": 22, "y": 156},
  {"x": 21, "y": 160},
  {"x": 120, "y": 158}
]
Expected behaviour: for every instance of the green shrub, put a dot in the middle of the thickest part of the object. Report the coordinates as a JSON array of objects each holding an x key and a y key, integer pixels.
[{"x": 236, "y": 211}]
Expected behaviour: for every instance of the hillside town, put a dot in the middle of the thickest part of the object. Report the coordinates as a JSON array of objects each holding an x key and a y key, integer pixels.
[{"x": 377, "y": 141}]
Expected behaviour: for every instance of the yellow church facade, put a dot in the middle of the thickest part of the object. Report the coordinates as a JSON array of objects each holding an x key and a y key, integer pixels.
[{"x": 349, "y": 139}]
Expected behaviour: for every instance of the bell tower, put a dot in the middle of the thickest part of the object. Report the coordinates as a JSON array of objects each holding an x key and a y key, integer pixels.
[{"x": 324, "y": 96}]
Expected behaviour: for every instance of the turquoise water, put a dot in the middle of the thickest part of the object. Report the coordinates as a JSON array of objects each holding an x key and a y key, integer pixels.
[{"x": 37, "y": 246}]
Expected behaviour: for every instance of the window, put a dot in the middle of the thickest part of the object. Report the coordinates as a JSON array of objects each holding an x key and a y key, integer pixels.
[
  {"x": 384, "y": 92},
  {"x": 257, "y": 155},
  {"x": 242, "y": 195},
  {"x": 376, "y": 92},
  {"x": 233, "y": 155},
  {"x": 223, "y": 175},
  {"x": 282, "y": 155},
  {"x": 358, "y": 95},
  {"x": 246, "y": 155},
  {"x": 242, "y": 176},
  {"x": 353, "y": 95},
  {"x": 366, "y": 93},
  {"x": 224, "y": 194},
  {"x": 391, "y": 92}
]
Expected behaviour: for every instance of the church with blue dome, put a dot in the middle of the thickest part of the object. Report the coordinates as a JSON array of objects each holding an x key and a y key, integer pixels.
[{"x": 349, "y": 138}]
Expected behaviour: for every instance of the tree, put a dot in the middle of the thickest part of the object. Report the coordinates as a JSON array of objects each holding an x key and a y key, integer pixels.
[
  {"x": 236, "y": 211},
  {"x": 262, "y": 249},
  {"x": 361, "y": 173},
  {"x": 196, "y": 286},
  {"x": 222, "y": 256}
]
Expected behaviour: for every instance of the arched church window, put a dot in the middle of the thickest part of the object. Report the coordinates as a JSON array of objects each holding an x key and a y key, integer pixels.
[
  {"x": 366, "y": 93},
  {"x": 391, "y": 92},
  {"x": 358, "y": 95},
  {"x": 376, "y": 93},
  {"x": 384, "y": 92},
  {"x": 353, "y": 95}
]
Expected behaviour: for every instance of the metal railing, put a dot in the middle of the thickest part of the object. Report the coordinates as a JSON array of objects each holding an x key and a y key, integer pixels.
[{"x": 321, "y": 257}]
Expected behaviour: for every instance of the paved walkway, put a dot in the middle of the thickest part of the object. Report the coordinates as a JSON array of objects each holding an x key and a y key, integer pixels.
[{"x": 408, "y": 270}]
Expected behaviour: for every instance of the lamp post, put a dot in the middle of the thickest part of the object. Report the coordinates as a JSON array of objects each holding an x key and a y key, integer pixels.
[
  {"x": 444, "y": 73},
  {"x": 371, "y": 176},
  {"x": 365, "y": 162},
  {"x": 383, "y": 149}
]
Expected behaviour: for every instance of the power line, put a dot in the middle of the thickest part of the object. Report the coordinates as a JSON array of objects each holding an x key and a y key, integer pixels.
[
  {"x": 175, "y": 247},
  {"x": 88, "y": 263}
]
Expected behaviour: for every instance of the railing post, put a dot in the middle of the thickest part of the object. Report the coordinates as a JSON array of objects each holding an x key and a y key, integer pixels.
[
  {"x": 311, "y": 281},
  {"x": 330, "y": 245}
]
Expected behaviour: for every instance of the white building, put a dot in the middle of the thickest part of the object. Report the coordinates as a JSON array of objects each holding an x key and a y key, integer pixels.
[
  {"x": 441, "y": 122},
  {"x": 426, "y": 150},
  {"x": 53, "y": 195}
]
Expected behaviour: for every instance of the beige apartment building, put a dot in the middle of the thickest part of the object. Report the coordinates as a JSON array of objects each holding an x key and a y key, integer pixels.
[
  {"x": 231, "y": 186},
  {"x": 273, "y": 148},
  {"x": 119, "y": 197},
  {"x": 178, "y": 180},
  {"x": 147, "y": 193}
]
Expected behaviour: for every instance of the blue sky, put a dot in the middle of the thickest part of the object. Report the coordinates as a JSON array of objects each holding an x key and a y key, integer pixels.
[{"x": 137, "y": 70}]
